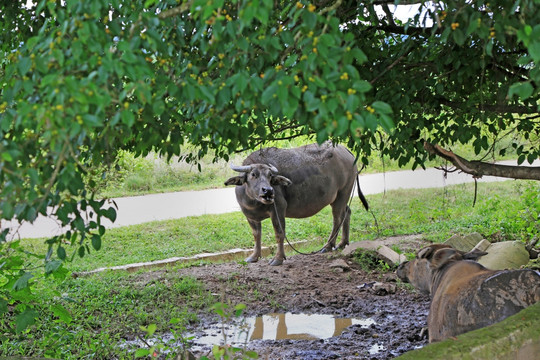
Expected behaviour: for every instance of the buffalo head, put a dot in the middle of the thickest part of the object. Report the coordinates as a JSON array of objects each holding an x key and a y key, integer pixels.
[
  {"x": 419, "y": 271},
  {"x": 259, "y": 180}
]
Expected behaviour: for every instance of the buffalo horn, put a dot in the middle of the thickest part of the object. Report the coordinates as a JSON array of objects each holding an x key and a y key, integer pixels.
[
  {"x": 246, "y": 168},
  {"x": 273, "y": 169}
]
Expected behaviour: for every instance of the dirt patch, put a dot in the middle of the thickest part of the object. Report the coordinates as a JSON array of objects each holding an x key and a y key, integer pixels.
[{"x": 322, "y": 284}]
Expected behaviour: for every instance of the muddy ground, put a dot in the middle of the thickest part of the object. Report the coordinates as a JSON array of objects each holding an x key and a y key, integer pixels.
[{"x": 323, "y": 284}]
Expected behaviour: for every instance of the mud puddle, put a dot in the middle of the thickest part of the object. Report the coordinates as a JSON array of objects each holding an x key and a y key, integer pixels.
[
  {"x": 277, "y": 326},
  {"x": 312, "y": 285}
]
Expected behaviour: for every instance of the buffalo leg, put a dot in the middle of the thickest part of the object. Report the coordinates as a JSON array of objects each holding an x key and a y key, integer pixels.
[
  {"x": 345, "y": 229},
  {"x": 279, "y": 228},
  {"x": 256, "y": 229},
  {"x": 339, "y": 215}
]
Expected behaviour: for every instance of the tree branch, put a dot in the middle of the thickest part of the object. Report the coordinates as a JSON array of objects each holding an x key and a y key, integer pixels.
[
  {"x": 479, "y": 168},
  {"x": 496, "y": 108},
  {"x": 175, "y": 11}
]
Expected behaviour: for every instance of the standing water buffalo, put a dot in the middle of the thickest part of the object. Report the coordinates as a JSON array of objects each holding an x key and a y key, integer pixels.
[
  {"x": 296, "y": 183},
  {"x": 465, "y": 295}
]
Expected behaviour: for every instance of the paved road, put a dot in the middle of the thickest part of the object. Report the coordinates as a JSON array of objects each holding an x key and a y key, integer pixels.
[{"x": 140, "y": 209}]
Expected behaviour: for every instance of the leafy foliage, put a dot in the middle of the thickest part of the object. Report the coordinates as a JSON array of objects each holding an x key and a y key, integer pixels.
[{"x": 81, "y": 81}]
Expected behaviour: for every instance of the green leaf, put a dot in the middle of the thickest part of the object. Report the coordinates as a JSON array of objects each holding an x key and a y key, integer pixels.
[
  {"x": 142, "y": 353},
  {"x": 22, "y": 282},
  {"x": 52, "y": 266},
  {"x": 7, "y": 156},
  {"x": 312, "y": 103},
  {"x": 3, "y": 306},
  {"x": 239, "y": 308},
  {"x": 523, "y": 89},
  {"x": 251, "y": 354},
  {"x": 61, "y": 253},
  {"x": 268, "y": 93},
  {"x": 96, "y": 241},
  {"x": 149, "y": 3},
  {"x": 459, "y": 37},
  {"x": 81, "y": 251},
  {"x": 62, "y": 313},
  {"x": 110, "y": 214},
  {"x": 310, "y": 19},
  {"x": 151, "y": 329},
  {"x": 7, "y": 210},
  {"x": 352, "y": 103},
  {"x": 207, "y": 94},
  {"x": 362, "y": 86},
  {"x": 158, "y": 107},
  {"x": 387, "y": 123},
  {"x": 24, "y": 65},
  {"x": 128, "y": 118},
  {"x": 534, "y": 50},
  {"x": 382, "y": 107},
  {"x": 25, "y": 319},
  {"x": 219, "y": 308}
]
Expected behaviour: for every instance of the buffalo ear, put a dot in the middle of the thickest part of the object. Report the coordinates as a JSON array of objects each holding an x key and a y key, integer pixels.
[
  {"x": 444, "y": 256},
  {"x": 474, "y": 254},
  {"x": 236, "y": 180},
  {"x": 428, "y": 251},
  {"x": 424, "y": 253},
  {"x": 280, "y": 180}
]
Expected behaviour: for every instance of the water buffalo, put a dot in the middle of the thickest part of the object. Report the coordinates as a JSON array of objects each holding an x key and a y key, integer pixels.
[
  {"x": 295, "y": 183},
  {"x": 465, "y": 295}
]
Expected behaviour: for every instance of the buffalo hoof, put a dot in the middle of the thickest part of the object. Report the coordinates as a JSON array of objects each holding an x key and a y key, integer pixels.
[
  {"x": 276, "y": 262},
  {"x": 326, "y": 249},
  {"x": 252, "y": 259}
]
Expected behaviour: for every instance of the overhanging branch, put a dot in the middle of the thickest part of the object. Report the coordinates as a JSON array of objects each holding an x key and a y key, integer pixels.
[{"x": 479, "y": 168}]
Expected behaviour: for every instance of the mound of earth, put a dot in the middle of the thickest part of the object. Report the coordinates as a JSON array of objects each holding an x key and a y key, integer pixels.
[{"x": 321, "y": 284}]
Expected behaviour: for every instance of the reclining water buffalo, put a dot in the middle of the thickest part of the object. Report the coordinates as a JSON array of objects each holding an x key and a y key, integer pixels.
[
  {"x": 295, "y": 183},
  {"x": 465, "y": 295}
]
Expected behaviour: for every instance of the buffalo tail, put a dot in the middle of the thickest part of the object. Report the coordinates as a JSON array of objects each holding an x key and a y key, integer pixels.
[{"x": 360, "y": 195}]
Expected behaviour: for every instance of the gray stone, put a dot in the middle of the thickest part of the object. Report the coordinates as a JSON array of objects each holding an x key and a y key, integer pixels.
[
  {"x": 505, "y": 255},
  {"x": 464, "y": 243},
  {"x": 340, "y": 264},
  {"x": 384, "y": 252},
  {"x": 482, "y": 245},
  {"x": 382, "y": 289},
  {"x": 390, "y": 256},
  {"x": 364, "y": 245}
]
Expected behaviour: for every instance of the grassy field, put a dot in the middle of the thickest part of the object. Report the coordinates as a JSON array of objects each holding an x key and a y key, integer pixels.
[
  {"x": 435, "y": 213},
  {"x": 104, "y": 309}
]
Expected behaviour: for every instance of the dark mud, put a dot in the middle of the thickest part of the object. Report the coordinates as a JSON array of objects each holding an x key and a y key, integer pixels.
[{"x": 321, "y": 284}]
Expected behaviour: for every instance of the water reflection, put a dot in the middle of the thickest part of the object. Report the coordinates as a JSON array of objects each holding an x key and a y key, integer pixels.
[
  {"x": 278, "y": 326},
  {"x": 300, "y": 326}
]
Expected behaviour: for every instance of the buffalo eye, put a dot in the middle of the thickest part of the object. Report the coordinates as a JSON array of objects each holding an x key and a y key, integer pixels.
[{"x": 254, "y": 175}]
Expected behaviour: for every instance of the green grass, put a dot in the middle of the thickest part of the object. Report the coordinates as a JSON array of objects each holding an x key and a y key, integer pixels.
[
  {"x": 107, "y": 308},
  {"x": 435, "y": 213}
]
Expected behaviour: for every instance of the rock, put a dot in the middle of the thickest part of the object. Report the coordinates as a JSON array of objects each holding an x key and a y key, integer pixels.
[
  {"x": 505, "y": 255},
  {"x": 340, "y": 264},
  {"x": 382, "y": 289},
  {"x": 364, "y": 245},
  {"x": 384, "y": 252},
  {"x": 464, "y": 243},
  {"x": 390, "y": 256},
  {"x": 482, "y": 245}
]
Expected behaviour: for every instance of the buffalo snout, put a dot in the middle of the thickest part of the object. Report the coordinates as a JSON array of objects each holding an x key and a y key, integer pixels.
[
  {"x": 267, "y": 193},
  {"x": 402, "y": 271}
]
